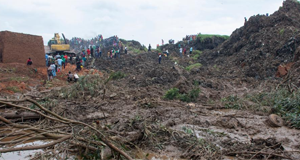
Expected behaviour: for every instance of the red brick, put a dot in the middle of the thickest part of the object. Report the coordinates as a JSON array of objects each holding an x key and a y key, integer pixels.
[{"x": 18, "y": 47}]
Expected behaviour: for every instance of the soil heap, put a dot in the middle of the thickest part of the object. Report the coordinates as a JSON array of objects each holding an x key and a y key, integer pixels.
[{"x": 260, "y": 46}]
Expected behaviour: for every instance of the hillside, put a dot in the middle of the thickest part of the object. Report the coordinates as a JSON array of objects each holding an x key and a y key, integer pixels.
[{"x": 260, "y": 46}]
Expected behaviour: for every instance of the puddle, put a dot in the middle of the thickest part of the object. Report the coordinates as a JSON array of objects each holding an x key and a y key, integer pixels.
[{"x": 22, "y": 155}]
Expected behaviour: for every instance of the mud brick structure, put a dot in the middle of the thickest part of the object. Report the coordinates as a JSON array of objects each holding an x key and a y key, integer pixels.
[{"x": 18, "y": 47}]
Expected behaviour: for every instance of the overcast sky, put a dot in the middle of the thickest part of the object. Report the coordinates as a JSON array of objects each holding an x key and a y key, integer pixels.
[{"x": 147, "y": 21}]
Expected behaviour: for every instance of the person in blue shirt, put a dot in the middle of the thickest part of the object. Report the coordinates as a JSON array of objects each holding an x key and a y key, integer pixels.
[
  {"x": 46, "y": 57},
  {"x": 191, "y": 50},
  {"x": 59, "y": 61}
]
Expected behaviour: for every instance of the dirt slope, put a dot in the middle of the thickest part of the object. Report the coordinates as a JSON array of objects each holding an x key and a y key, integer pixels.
[{"x": 261, "y": 45}]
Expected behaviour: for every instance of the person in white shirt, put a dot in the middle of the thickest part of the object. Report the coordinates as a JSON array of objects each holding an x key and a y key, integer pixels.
[
  {"x": 180, "y": 51},
  {"x": 76, "y": 77},
  {"x": 159, "y": 58},
  {"x": 53, "y": 67}
]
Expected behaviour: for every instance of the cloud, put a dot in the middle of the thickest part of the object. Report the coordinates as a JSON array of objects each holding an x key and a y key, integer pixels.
[{"x": 147, "y": 21}]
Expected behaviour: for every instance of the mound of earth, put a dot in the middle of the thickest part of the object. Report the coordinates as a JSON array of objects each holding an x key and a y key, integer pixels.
[
  {"x": 198, "y": 44},
  {"x": 260, "y": 46}
]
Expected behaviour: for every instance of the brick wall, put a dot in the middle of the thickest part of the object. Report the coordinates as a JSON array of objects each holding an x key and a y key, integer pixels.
[{"x": 18, "y": 47}]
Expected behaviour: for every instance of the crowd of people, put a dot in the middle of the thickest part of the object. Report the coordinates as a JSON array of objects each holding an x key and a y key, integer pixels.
[{"x": 56, "y": 64}]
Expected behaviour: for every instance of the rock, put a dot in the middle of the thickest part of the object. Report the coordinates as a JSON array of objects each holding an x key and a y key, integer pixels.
[
  {"x": 191, "y": 105},
  {"x": 275, "y": 121},
  {"x": 106, "y": 153},
  {"x": 112, "y": 96}
]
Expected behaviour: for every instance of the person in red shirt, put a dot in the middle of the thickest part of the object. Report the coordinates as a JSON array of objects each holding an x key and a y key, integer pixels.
[
  {"x": 66, "y": 59},
  {"x": 88, "y": 52},
  {"x": 29, "y": 61}
]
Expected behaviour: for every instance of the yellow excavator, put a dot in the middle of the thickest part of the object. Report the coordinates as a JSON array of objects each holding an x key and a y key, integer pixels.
[{"x": 59, "y": 45}]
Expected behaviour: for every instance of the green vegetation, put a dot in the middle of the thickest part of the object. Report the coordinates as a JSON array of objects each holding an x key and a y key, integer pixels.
[
  {"x": 91, "y": 85},
  {"x": 13, "y": 88},
  {"x": 196, "y": 65},
  {"x": 196, "y": 54},
  {"x": 281, "y": 102},
  {"x": 202, "y": 37},
  {"x": 232, "y": 102},
  {"x": 281, "y": 32},
  {"x": 173, "y": 93},
  {"x": 117, "y": 75}
]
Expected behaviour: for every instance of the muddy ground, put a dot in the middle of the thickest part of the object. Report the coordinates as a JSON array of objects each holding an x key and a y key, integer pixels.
[
  {"x": 133, "y": 113},
  {"x": 225, "y": 120}
]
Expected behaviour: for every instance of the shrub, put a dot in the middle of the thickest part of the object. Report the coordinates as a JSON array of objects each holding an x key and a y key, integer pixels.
[
  {"x": 191, "y": 96},
  {"x": 196, "y": 65},
  {"x": 173, "y": 93},
  {"x": 282, "y": 102},
  {"x": 86, "y": 85},
  {"x": 117, "y": 75}
]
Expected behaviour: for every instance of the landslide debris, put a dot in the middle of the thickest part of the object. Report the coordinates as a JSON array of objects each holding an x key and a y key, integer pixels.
[{"x": 260, "y": 46}]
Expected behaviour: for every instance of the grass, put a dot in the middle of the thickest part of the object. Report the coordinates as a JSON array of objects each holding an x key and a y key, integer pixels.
[
  {"x": 281, "y": 32},
  {"x": 19, "y": 79},
  {"x": 191, "y": 96},
  {"x": 13, "y": 88},
  {"x": 281, "y": 102},
  {"x": 204, "y": 36},
  {"x": 196, "y": 54},
  {"x": 196, "y": 65},
  {"x": 115, "y": 76}
]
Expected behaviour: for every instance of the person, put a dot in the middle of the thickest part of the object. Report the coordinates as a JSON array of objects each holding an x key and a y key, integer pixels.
[
  {"x": 97, "y": 52},
  {"x": 149, "y": 48},
  {"x": 70, "y": 77},
  {"x": 59, "y": 61},
  {"x": 159, "y": 58},
  {"x": 57, "y": 56},
  {"x": 63, "y": 62},
  {"x": 125, "y": 50},
  {"x": 50, "y": 75},
  {"x": 77, "y": 58},
  {"x": 71, "y": 58},
  {"x": 46, "y": 57},
  {"x": 88, "y": 53},
  {"x": 76, "y": 77},
  {"x": 29, "y": 62},
  {"x": 113, "y": 53},
  {"x": 167, "y": 51},
  {"x": 245, "y": 19},
  {"x": 108, "y": 54},
  {"x": 118, "y": 53},
  {"x": 191, "y": 50},
  {"x": 162, "y": 42},
  {"x": 180, "y": 52},
  {"x": 100, "y": 52},
  {"x": 184, "y": 51},
  {"x": 53, "y": 69},
  {"x": 78, "y": 65},
  {"x": 83, "y": 61},
  {"x": 56, "y": 65},
  {"x": 66, "y": 59},
  {"x": 92, "y": 51}
]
